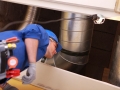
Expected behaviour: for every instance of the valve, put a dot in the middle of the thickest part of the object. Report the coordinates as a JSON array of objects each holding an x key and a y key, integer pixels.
[
  {"x": 12, "y": 62},
  {"x": 98, "y": 19}
]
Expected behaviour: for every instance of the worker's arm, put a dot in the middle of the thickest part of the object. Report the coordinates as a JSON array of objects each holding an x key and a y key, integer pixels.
[
  {"x": 31, "y": 47},
  {"x": 33, "y": 34}
]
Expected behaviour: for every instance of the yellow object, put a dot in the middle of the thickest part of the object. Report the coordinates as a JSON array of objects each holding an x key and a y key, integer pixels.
[
  {"x": 11, "y": 45},
  {"x": 18, "y": 84},
  {"x": 14, "y": 45}
]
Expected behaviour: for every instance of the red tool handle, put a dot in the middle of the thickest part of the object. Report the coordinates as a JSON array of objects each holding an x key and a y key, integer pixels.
[
  {"x": 12, "y": 73},
  {"x": 11, "y": 40}
]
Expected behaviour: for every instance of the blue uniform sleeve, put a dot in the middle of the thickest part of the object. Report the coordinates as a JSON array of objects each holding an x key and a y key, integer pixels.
[{"x": 37, "y": 32}]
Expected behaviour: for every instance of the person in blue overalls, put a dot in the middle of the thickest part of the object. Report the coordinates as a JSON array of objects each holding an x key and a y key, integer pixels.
[{"x": 34, "y": 43}]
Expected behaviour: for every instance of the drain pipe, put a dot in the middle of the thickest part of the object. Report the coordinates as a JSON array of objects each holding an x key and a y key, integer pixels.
[
  {"x": 75, "y": 38},
  {"x": 30, "y": 16}
]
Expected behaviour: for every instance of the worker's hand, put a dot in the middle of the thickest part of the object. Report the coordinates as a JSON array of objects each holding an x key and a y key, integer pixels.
[{"x": 30, "y": 74}]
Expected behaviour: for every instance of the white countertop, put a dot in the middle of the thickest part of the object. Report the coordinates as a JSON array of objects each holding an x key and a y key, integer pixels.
[{"x": 104, "y": 7}]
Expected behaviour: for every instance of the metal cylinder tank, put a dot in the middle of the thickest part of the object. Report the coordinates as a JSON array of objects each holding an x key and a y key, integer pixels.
[
  {"x": 75, "y": 38},
  {"x": 114, "y": 75}
]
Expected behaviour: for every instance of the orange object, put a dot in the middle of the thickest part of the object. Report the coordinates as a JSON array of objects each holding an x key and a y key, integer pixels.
[
  {"x": 13, "y": 39},
  {"x": 12, "y": 62}
]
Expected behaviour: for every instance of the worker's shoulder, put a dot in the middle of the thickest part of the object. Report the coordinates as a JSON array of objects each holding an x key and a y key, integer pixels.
[
  {"x": 10, "y": 33},
  {"x": 33, "y": 28}
]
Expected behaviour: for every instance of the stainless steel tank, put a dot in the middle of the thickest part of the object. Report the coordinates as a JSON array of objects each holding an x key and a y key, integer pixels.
[{"x": 75, "y": 38}]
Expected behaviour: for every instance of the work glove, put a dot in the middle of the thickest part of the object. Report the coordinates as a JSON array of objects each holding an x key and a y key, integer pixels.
[{"x": 30, "y": 74}]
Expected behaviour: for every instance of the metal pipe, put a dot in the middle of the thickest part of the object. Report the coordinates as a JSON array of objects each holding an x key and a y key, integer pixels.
[
  {"x": 114, "y": 75},
  {"x": 30, "y": 17},
  {"x": 75, "y": 38},
  {"x": 10, "y": 12}
]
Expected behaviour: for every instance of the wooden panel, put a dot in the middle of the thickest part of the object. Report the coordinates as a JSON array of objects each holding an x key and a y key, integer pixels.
[
  {"x": 45, "y": 15},
  {"x": 105, "y": 76},
  {"x": 99, "y": 57},
  {"x": 93, "y": 71},
  {"x": 115, "y": 43},
  {"x": 102, "y": 40},
  {"x": 49, "y": 14},
  {"x": 109, "y": 27}
]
